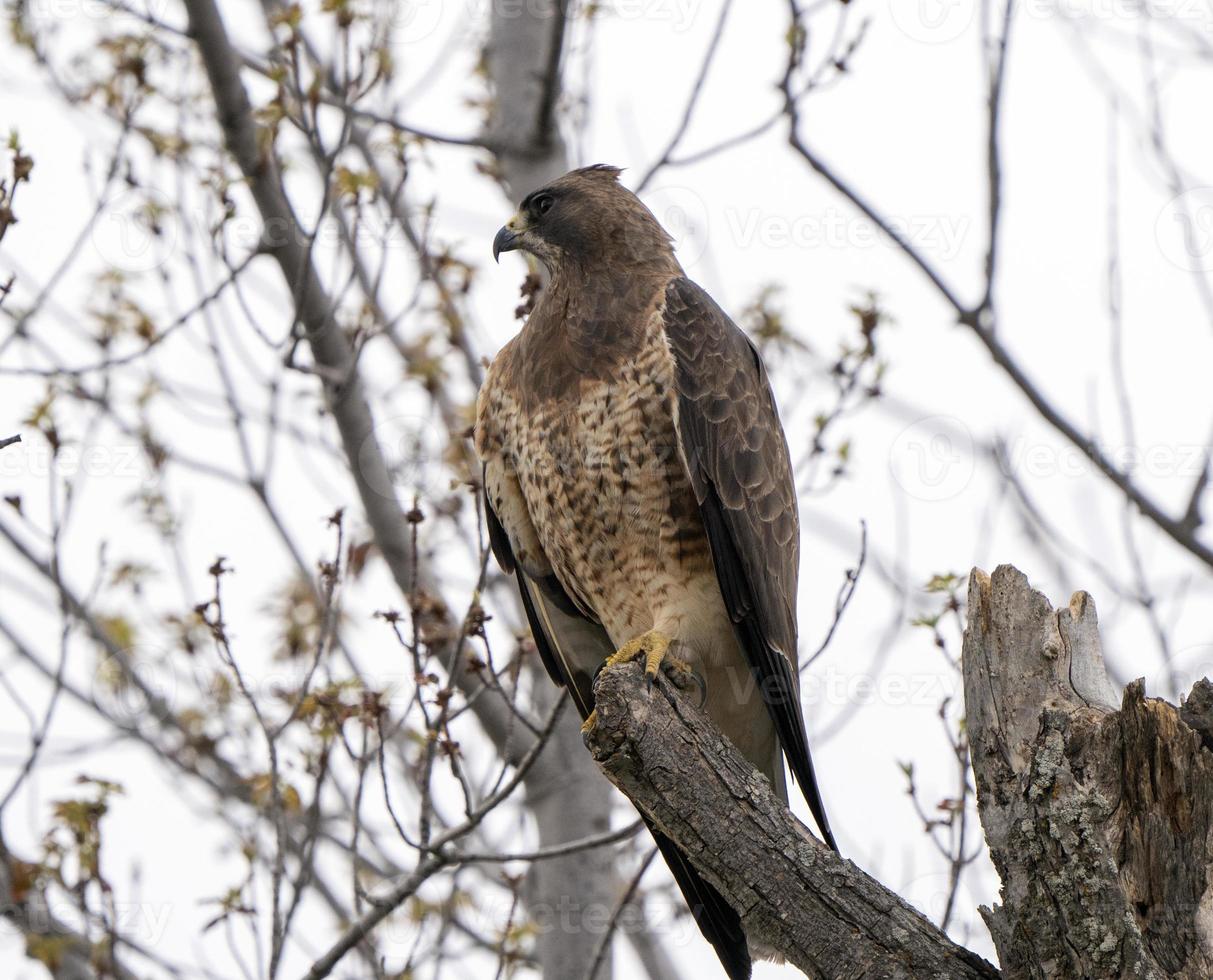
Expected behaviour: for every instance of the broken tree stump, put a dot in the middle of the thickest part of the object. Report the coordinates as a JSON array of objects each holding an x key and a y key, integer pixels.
[{"x": 1097, "y": 808}]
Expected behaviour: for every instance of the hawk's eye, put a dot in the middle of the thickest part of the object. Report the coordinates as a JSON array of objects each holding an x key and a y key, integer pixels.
[{"x": 542, "y": 204}]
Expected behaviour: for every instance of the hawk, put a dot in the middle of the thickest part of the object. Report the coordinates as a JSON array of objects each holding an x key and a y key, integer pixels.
[{"x": 638, "y": 484}]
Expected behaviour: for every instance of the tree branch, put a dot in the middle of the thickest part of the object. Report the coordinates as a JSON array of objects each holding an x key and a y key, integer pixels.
[
  {"x": 66, "y": 953},
  {"x": 1098, "y": 818},
  {"x": 794, "y": 896},
  {"x": 530, "y": 151},
  {"x": 692, "y": 101},
  {"x": 981, "y": 318}
]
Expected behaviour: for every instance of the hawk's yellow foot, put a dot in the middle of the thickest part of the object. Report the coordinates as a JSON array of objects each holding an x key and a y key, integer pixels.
[
  {"x": 655, "y": 647},
  {"x": 589, "y": 722}
]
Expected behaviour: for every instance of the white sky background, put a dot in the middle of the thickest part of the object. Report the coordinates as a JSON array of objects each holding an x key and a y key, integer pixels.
[{"x": 906, "y": 127}]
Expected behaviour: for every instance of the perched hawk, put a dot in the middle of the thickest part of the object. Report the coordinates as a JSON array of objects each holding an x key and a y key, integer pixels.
[{"x": 637, "y": 482}]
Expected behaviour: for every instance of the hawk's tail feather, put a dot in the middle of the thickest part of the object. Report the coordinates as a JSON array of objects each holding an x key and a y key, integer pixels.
[
  {"x": 716, "y": 918},
  {"x": 773, "y": 674},
  {"x": 789, "y": 724}
]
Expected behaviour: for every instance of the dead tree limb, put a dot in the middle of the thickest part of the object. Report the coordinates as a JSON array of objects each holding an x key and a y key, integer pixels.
[
  {"x": 1099, "y": 820},
  {"x": 823, "y": 914}
]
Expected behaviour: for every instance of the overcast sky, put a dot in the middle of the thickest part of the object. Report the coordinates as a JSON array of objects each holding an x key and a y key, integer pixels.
[{"x": 906, "y": 127}]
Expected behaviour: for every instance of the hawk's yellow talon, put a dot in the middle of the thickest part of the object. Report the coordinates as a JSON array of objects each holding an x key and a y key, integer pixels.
[
  {"x": 655, "y": 647},
  {"x": 652, "y": 663},
  {"x": 591, "y": 718}
]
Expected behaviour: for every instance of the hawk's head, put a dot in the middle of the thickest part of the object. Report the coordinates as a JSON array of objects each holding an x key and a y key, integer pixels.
[{"x": 585, "y": 219}]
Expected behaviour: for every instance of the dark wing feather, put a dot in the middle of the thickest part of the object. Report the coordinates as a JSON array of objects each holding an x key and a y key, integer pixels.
[
  {"x": 716, "y": 918},
  {"x": 737, "y": 459},
  {"x": 545, "y": 602},
  {"x": 554, "y": 621}
]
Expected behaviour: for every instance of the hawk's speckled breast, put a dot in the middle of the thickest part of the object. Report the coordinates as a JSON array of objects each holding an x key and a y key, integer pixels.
[{"x": 606, "y": 489}]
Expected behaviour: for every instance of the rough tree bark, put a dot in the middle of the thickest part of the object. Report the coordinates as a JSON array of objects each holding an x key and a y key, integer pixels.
[
  {"x": 793, "y": 894},
  {"x": 1100, "y": 820}
]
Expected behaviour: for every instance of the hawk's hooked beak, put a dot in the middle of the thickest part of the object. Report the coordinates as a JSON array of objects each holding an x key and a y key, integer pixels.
[{"x": 506, "y": 239}]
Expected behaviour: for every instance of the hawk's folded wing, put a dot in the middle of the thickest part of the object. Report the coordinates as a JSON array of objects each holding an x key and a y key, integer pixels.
[{"x": 736, "y": 455}]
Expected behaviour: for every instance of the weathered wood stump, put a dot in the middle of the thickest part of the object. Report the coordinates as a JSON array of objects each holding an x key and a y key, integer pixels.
[{"x": 1099, "y": 819}]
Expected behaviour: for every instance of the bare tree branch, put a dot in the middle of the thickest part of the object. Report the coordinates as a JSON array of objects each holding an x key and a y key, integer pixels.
[
  {"x": 794, "y": 895},
  {"x": 693, "y": 100},
  {"x": 386, "y": 904},
  {"x": 66, "y": 953},
  {"x": 981, "y": 318}
]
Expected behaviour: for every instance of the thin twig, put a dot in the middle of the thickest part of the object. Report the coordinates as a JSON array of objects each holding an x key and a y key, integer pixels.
[
  {"x": 382, "y": 907},
  {"x": 692, "y": 101},
  {"x": 604, "y": 941},
  {"x": 845, "y": 593},
  {"x": 554, "y": 851},
  {"x": 982, "y": 322}
]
